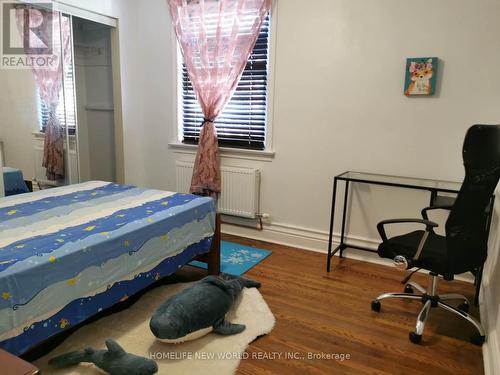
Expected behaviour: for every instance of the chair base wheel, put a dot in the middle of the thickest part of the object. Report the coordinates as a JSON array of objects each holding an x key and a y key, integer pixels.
[
  {"x": 409, "y": 289},
  {"x": 415, "y": 338},
  {"x": 477, "y": 339},
  {"x": 464, "y": 307},
  {"x": 376, "y": 305}
]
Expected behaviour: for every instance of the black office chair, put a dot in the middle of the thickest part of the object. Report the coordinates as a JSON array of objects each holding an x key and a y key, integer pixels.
[{"x": 465, "y": 246}]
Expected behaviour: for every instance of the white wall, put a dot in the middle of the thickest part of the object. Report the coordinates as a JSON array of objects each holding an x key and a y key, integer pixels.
[
  {"x": 18, "y": 119},
  {"x": 345, "y": 111},
  {"x": 338, "y": 102},
  {"x": 338, "y": 105},
  {"x": 148, "y": 91}
]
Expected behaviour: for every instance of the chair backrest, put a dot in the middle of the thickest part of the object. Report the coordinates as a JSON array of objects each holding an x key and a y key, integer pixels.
[{"x": 466, "y": 227}]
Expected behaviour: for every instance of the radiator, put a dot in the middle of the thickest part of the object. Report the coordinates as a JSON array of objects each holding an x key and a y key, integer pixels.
[{"x": 240, "y": 189}]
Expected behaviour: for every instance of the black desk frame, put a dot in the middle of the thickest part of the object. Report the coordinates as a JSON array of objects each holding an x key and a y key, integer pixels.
[{"x": 435, "y": 200}]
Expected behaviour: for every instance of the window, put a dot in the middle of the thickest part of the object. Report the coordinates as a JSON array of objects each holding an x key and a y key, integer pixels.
[
  {"x": 242, "y": 124},
  {"x": 66, "y": 109}
]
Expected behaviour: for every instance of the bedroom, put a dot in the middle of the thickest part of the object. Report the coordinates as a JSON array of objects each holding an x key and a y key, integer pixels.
[{"x": 334, "y": 102}]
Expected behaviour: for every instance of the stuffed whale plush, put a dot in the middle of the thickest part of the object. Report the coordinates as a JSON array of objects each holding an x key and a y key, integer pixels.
[
  {"x": 114, "y": 360},
  {"x": 199, "y": 310}
]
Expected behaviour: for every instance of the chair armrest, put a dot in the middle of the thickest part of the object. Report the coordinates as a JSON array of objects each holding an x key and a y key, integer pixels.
[
  {"x": 381, "y": 230},
  {"x": 430, "y": 208}
]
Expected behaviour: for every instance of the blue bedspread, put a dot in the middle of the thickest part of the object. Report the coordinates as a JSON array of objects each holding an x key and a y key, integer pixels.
[{"x": 68, "y": 253}]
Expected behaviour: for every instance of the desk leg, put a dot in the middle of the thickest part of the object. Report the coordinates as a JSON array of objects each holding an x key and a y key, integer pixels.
[
  {"x": 213, "y": 260},
  {"x": 344, "y": 215},
  {"x": 332, "y": 217}
]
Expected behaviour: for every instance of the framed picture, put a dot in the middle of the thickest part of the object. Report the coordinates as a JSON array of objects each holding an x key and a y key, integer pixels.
[{"x": 421, "y": 76}]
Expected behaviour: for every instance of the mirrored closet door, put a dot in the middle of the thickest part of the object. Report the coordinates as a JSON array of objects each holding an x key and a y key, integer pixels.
[
  {"x": 59, "y": 129},
  {"x": 94, "y": 98}
]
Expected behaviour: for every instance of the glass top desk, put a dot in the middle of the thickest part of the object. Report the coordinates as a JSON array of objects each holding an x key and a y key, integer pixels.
[
  {"x": 408, "y": 182},
  {"x": 434, "y": 187}
]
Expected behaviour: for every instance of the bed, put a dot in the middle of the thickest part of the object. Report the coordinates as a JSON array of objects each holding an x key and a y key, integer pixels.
[{"x": 68, "y": 253}]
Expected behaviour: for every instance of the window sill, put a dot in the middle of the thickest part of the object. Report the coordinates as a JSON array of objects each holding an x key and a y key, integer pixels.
[
  {"x": 229, "y": 152},
  {"x": 40, "y": 134}
]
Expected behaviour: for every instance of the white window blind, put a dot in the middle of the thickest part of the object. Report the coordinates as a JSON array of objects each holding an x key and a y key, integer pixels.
[
  {"x": 242, "y": 124},
  {"x": 66, "y": 109}
]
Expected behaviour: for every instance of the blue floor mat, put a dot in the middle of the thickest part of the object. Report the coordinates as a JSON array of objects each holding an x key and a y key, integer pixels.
[{"x": 237, "y": 259}]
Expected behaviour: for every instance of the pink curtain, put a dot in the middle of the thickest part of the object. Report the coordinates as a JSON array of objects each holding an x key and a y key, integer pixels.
[
  {"x": 49, "y": 78},
  {"x": 216, "y": 38}
]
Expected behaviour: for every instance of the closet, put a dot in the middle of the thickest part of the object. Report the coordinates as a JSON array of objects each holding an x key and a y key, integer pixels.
[
  {"x": 85, "y": 109},
  {"x": 94, "y": 100}
]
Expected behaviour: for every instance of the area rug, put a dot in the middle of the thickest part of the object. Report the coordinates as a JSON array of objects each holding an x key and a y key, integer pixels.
[
  {"x": 237, "y": 259},
  {"x": 212, "y": 354}
]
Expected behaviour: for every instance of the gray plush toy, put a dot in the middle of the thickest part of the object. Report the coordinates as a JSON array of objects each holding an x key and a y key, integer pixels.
[
  {"x": 114, "y": 361},
  {"x": 199, "y": 309}
]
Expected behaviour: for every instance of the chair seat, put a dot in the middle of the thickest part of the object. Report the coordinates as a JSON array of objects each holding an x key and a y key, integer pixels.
[{"x": 432, "y": 258}]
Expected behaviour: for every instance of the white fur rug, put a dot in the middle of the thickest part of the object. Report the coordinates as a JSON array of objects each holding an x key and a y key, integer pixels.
[{"x": 212, "y": 354}]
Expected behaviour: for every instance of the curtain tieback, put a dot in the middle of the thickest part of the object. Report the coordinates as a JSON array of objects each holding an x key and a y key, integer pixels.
[{"x": 206, "y": 120}]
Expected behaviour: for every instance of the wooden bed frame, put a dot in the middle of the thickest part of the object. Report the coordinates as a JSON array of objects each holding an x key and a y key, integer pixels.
[{"x": 212, "y": 258}]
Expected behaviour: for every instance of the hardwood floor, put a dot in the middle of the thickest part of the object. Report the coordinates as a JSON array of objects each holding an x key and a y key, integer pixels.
[{"x": 318, "y": 312}]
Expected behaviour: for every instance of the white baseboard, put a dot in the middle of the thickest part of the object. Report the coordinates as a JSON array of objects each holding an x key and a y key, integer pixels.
[
  {"x": 491, "y": 348},
  {"x": 315, "y": 240}
]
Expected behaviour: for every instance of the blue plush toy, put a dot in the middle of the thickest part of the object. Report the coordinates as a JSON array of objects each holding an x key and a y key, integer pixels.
[
  {"x": 114, "y": 360},
  {"x": 199, "y": 309}
]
